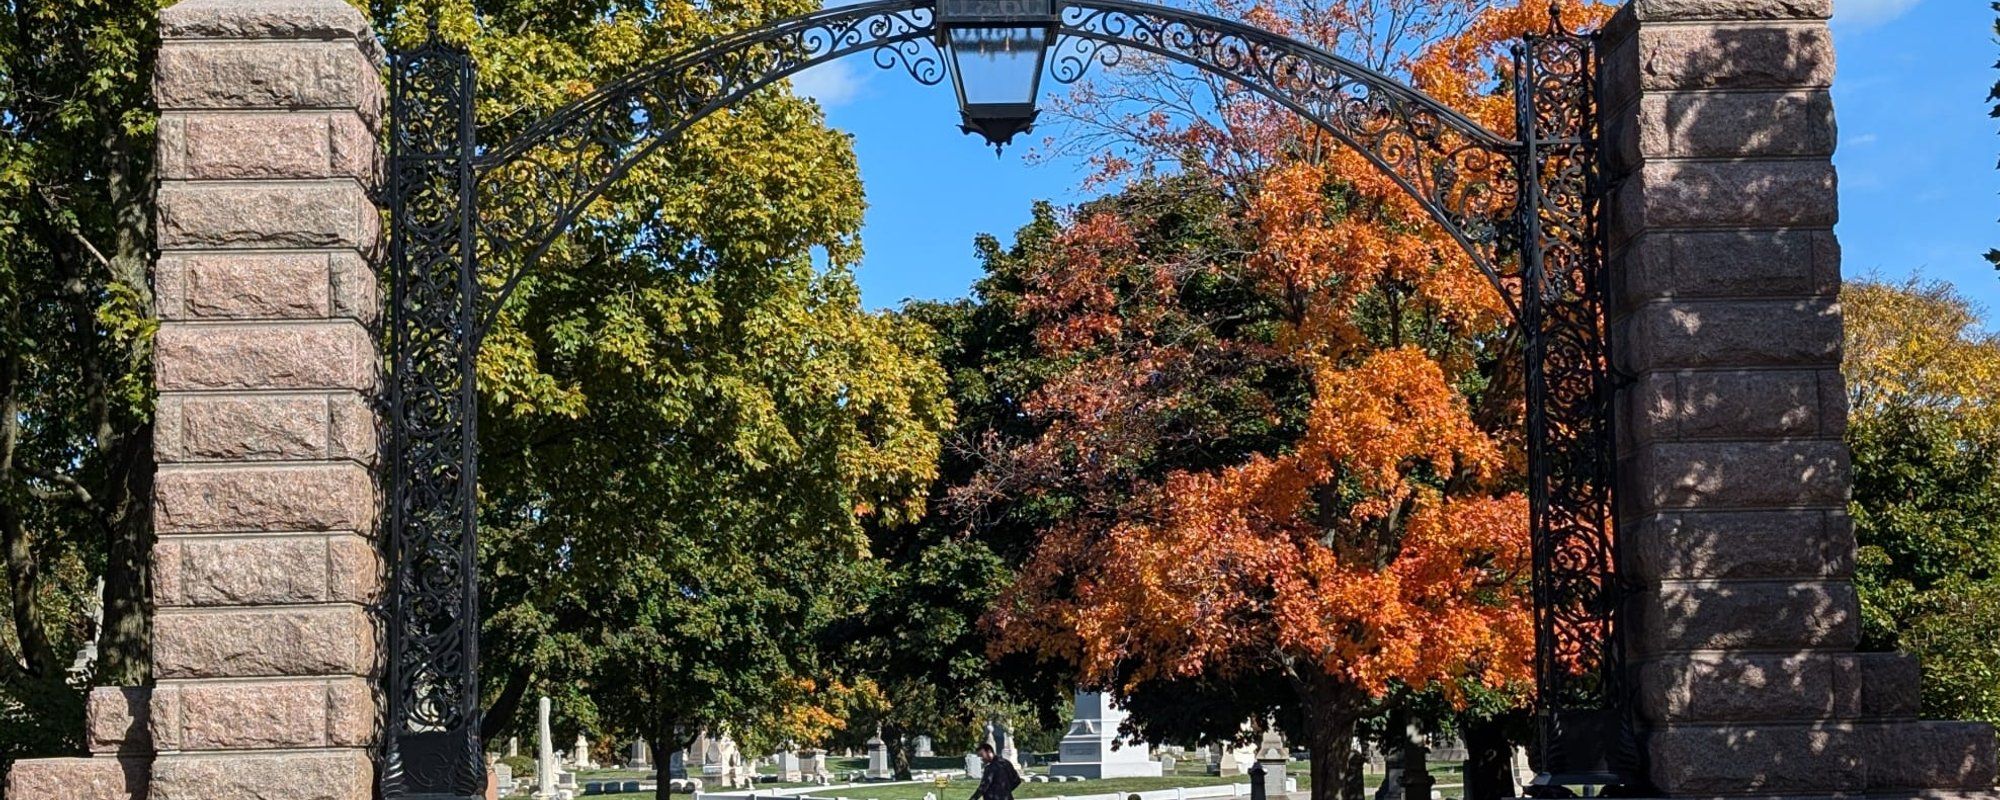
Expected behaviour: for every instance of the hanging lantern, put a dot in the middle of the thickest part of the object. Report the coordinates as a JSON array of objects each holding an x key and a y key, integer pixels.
[{"x": 996, "y": 48}]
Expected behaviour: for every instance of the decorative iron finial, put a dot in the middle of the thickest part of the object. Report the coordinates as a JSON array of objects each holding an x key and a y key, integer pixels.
[{"x": 1556, "y": 18}]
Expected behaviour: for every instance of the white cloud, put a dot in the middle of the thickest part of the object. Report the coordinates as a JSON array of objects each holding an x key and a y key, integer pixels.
[
  {"x": 833, "y": 83},
  {"x": 1870, "y": 12},
  {"x": 1866, "y": 138}
]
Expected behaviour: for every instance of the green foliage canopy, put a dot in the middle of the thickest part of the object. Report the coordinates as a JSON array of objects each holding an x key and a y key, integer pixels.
[
  {"x": 76, "y": 141},
  {"x": 687, "y": 416},
  {"x": 1925, "y": 431}
]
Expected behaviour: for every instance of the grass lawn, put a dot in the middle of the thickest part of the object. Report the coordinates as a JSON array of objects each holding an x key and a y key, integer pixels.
[{"x": 1445, "y": 773}]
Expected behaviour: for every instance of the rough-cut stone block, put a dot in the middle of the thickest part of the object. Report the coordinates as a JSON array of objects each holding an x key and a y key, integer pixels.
[
  {"x": 1720, "y": 125},
  {"x": 1726, "y": 404},
  {"x": 246, "y": 427},
  {"x": 263, "y": 642},
  {"x": 1733, "y": 687},
  {"x": 1755, "y": 55},
  {"x": 192, "y": 571},
  {"x": 326, "y": 20},
  {"x": 272, "y": 75},
  {"x": 79, "y": 779},
  {"x": 270, "y": 145},
  {"x": 1929, "y": 755},
  {"x": 355, "y": 294},
  {"x": 193, "y": 428},
  {"x": 225, "y": 286},
  {"x": 308, "y": 775},
  {"x": 1670, "y": 476},
  {"x": 265, "y": 715},
  {"x": 1679, "y": 617},
  {"x": 1691, "y": 265},
  {"x": 1724, "y": 194},
  {"x": 353, "y": 429},
  {"x": 1627, "y": 20},
  {"x": 277, "y": 356},
  {"x": 278, "y": 215},
  {"x": 1891, "y": 685},
  {"x": 115, "y": 720},
  {"x": 1711, "y": 545},
  {"x": 1723, "y": 760},
  {"x": 1688, "y": 334},
  {"x": 319, "y": 497}
]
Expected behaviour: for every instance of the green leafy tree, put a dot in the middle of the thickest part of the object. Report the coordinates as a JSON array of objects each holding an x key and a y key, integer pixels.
[
  {"x": 687, "y": 417},
  {"x": 75, "y": 336},
  {"x": 1924, "y": 426}
]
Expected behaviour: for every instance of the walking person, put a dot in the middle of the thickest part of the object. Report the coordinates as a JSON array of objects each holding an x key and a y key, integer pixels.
[{"x": 999, "y": 779}]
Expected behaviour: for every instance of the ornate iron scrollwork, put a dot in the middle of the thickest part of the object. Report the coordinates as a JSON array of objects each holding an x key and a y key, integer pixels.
[
  {"x": 1527, "y": 210},
  {"x": 432, "y": 742},
  {"x": 1461, "y": 173},
  {"x": 536, "y": 185},
  {"x": 1588, "y": 732}
]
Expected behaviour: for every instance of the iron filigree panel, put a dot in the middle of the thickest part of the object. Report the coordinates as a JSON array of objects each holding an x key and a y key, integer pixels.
[
  {"x": 432, "y": 741},
  {"x": 1587, "y": 732}
]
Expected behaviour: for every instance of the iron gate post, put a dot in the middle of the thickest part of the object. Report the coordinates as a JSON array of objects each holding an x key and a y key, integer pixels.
[
  {"x": 432, "y": 746},
  {"x": 1586, "y": 732}
]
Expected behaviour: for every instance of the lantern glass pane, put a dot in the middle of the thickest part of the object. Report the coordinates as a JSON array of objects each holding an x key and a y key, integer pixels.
[{"x": 998, "y": 65}]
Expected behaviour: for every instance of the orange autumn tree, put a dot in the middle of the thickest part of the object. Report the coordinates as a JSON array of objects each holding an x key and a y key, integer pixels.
[{"x": 1376, "y": 533}]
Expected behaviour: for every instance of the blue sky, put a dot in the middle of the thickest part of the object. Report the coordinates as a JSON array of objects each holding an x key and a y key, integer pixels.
[{"x": 1918, "y": 188}]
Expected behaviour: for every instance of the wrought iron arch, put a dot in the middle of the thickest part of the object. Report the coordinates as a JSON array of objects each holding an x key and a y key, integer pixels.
[{"x": 1527, "y": 209}]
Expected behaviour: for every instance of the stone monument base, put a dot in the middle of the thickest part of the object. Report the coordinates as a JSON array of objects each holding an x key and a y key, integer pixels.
[{"x": 1098, "y": 770}]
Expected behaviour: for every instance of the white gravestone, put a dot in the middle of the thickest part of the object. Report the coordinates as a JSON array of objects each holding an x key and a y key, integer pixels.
[
  {"x": 1092, "y": 748},
  {"x": 974, "y": 768},
  {"x": 922, "y": 745},
  {"x": 878, "y": 759},
  {"x": 814, "y": 765},
  {"x": 581, "y": 753},
  {"x": 545, "y": 754},
  {"x": 788, "y": 768},
  {"x": 1271, "y": 752}
]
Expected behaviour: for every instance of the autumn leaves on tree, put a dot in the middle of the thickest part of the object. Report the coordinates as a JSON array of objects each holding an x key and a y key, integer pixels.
[{"x": 1353, "y": 519}]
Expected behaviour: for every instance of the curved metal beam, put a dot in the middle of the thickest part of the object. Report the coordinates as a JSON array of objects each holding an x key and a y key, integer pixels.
[
  {"x": 598, "y": 140},
  {"x": 1425, "y": 147}
]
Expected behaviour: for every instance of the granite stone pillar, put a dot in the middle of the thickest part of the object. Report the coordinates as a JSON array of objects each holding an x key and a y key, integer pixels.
[
  {"x": 1734, "y": 476},
  {"x": 265, "y": 648}
]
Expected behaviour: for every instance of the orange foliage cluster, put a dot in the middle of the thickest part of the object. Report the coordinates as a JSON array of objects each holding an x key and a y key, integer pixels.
[{"x": 1385, "y": 543}]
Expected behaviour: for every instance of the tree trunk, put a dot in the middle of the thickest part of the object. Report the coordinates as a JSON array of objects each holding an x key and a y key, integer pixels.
[
  {"x": 1489, "y": 771},
  {"x": 663, "y": 761},
  {"x": 124, "y": 646},
  {"x": 1417, "y": 780},
  {"x": 1331, "y": 707},
  {"x": 899, "y": 749},
  {"x": 500, "y": 716}
]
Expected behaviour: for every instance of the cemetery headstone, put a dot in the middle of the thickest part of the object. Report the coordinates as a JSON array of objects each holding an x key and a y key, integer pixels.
[
  {"x": 788, "y": 767},
  {"x": 545, "y": 754},
  {"x": 1092, "y": 748},
  {"x": 878, "y": 759}
]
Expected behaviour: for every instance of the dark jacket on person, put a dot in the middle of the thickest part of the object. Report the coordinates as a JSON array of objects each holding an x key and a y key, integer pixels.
[{"x": 998, "y": 781}]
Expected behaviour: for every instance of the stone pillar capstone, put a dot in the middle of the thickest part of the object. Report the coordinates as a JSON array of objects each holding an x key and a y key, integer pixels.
[
  {"x": 266, "y": 568},
  {"x": 1734, "y": 477}
]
